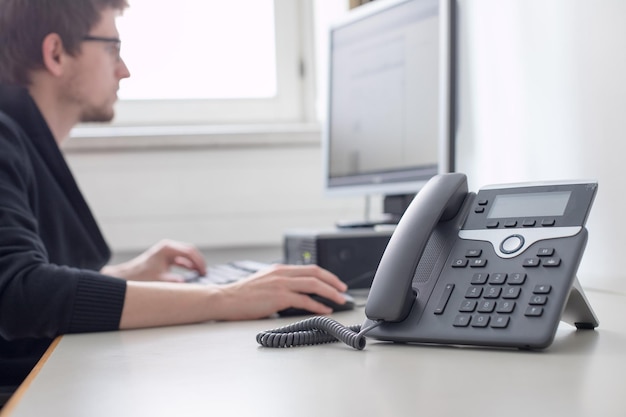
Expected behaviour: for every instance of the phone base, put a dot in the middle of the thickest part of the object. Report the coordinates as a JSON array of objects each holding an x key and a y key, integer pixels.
[{"x": 578, "y": 311}]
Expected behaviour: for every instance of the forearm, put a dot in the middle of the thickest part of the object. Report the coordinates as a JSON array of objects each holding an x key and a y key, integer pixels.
[
  {"x": 117, "y": 271},
  {"x": 151, "y": 304}
]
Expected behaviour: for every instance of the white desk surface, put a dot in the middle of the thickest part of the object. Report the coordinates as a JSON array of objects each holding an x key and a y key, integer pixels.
[{"x": 217, "y": 369}]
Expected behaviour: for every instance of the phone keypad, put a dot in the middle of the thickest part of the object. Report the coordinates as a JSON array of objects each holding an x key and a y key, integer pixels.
[{"x": 491, "y": 297}]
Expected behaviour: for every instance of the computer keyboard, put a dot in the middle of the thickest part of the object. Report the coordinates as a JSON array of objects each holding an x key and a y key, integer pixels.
[{"x": 228, "y": 272}]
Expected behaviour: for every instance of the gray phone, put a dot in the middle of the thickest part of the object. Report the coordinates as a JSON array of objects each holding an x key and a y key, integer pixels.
[{"x": 496, "y": 268}]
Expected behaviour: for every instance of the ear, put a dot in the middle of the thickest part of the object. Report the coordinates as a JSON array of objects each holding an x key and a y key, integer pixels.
[{"x": 53, "y": 54}]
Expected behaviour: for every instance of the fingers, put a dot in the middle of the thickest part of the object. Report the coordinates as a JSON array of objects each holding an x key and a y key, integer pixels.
[
  {"x": 183, "y": 255},
  {"x": 293, "y": 283},
  {"x": 312, "y": 271},
  {"x": 280, "y": 287},
  {"x": 309, "y": 285},
  {"x": 187, "y": 263},
  {"x": 307, "y": 303}
]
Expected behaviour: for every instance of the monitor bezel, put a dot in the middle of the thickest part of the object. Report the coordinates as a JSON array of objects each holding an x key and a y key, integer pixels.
[{"x": 416, "y": 177}]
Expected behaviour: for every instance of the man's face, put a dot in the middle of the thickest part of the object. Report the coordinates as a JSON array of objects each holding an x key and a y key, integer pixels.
[{"x": 92, "y": 84}]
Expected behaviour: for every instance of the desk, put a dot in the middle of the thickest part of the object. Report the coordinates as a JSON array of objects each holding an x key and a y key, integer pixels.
[{"x": 217, "y": 369}]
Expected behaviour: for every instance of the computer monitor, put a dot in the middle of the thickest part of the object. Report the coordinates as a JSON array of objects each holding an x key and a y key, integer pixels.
[{"x": 390, "y": 117}]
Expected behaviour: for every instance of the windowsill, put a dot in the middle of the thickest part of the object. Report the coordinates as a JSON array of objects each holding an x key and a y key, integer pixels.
[{"x": 121, "y": 138}]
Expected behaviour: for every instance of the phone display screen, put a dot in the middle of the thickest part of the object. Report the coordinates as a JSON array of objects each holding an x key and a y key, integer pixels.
[{"x": 529, "y": 205}]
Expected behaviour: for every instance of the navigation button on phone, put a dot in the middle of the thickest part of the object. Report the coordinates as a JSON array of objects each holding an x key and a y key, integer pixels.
[{"x": 512, "y": 244}]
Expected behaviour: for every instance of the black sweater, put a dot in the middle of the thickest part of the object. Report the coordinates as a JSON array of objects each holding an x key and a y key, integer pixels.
[{"x": 50, "y": 246}]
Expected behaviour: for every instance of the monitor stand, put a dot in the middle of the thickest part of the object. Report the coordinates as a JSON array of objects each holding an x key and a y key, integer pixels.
[
  {"x": 367, "y": 223},
  {"x": 394, "y": 207}
]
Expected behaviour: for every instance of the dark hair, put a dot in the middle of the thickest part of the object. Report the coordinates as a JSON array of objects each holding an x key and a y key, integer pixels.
[{"x": 25, "y": 23}]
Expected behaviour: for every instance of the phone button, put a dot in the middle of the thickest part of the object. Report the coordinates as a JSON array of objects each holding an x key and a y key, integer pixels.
[
  {"x": 481, "y": 320},
  {"x": 500, "y": 322},
  {"x": 443, "y": 301},
  {"x": 479, "y": 278},
  {"x": 538, "y": 300},
  {"x": 542, "y": 289},
  {"x": 530, "y": 262},
  {"x": 533, "y": 311},
  {"x": 492, "y": 224},
  {"x": 517, "y": 278},
  {"x": 545, "y": 252},
  {"x": 462, "y": 320},
  {"x": 459, "y": 263},
  {"x": 478, "y": 263},
  {"x": 552, "y": 262},
  {"x": 512, "y": 244}
]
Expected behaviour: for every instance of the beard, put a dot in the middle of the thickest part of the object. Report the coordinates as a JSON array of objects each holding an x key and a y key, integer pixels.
[
  {"x": 90, "y": 107},
  {"x": 98, "y": 114}
]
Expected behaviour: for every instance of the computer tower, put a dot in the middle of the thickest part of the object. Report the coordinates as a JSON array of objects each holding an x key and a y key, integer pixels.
[{"x": 351, "y": 254}]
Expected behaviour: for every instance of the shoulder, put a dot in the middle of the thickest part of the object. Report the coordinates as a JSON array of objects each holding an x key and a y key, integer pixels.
[
  {"x": 15, "y": 158},
  {"x": 10, "y": 131},
  {"x": 13, "y": 141},
  {"x": 6, "y": 123}
]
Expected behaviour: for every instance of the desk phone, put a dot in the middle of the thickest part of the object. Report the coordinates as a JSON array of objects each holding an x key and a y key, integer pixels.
[{"x": 496, "y": 268}]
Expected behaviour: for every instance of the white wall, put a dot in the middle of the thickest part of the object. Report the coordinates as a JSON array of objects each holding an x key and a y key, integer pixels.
[
  {"x": 215, "y": 196},
  {"x": 543, "y": 96}
]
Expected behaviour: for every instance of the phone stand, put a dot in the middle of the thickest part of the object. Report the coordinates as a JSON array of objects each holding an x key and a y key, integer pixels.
[{"x": 578, "y": 311}]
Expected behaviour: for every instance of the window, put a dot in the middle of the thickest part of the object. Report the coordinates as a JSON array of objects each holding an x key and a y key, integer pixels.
[
  {"x": 213, "y": 50},
  {"x": 214, "y": 62}
]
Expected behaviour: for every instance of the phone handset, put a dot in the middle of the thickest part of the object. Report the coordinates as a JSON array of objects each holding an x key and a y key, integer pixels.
[{"x": 391, "y": 295}]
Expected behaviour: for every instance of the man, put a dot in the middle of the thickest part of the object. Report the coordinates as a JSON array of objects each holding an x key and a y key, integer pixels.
[{"x": 60, "y": 65}]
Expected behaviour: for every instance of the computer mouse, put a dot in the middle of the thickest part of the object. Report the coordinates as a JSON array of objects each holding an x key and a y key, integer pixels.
[{"x": 349, "y": 305}]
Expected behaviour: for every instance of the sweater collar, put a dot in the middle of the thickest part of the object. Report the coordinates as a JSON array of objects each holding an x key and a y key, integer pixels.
[{"x": 17, "y": 103}]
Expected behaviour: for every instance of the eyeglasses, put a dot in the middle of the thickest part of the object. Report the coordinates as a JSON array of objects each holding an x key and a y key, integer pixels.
[{"x": 115, "y": 44}]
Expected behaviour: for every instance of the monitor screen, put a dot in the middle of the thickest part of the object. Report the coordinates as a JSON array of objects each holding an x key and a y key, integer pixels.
[{"x": 387, "y": 127}]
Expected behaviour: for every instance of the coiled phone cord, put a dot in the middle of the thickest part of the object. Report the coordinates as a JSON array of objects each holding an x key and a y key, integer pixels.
[{"x": 314, "y": 331}]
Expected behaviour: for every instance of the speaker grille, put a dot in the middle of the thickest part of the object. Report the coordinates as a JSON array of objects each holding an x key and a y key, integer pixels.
[{"x": 432, "y": 252}]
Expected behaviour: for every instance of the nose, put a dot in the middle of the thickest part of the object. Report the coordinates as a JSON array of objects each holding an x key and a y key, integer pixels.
[{"x": 122, "y": 70}]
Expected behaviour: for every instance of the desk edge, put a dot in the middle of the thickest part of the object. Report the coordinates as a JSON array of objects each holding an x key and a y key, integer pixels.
[{"x": 19, "y": 393}]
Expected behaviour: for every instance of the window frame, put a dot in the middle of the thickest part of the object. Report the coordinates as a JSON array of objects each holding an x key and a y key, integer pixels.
[{"x": 292, "y": 104}]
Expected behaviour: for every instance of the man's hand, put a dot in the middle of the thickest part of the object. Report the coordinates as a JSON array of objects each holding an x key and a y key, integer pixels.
[
  {"x": 156, "y": 263},
  {"x": 280, "y": 287}
]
